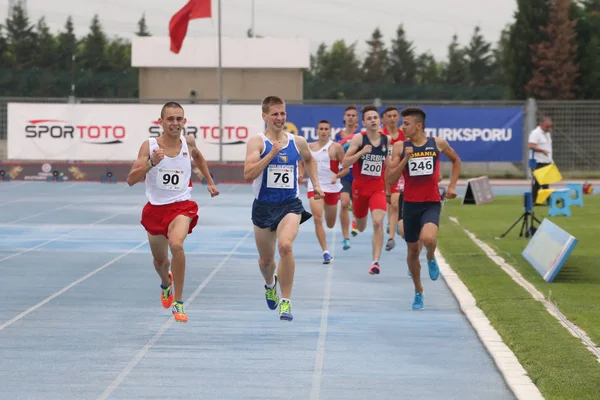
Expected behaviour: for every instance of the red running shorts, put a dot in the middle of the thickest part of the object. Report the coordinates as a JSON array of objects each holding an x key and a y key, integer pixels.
[{"x": 156, "y": 219}]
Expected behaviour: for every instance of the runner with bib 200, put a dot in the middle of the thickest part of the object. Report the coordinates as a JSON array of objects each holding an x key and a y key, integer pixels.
[
  {"x": 418, "y": 160},
  {"x": 368, "y": 154}
]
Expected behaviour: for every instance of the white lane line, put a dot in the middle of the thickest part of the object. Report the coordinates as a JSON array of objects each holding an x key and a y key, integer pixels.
[
  {"x": 69, "y": 286},
  {"x": 138, "y": 357},
  {"x": 315, "y": 391}
]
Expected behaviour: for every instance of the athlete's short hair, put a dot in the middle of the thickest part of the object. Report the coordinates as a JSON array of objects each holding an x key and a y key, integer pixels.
[
  {"x": 270, "y": 101},
  {"x": 387, "y": 110},
  {"x": 324, "y": 121},
  {"x": 349, "y": 108},
  {"x": 417, "y": 113},
  {"x": 368, "y": 108},
  {"x": 170, "y": 104}
]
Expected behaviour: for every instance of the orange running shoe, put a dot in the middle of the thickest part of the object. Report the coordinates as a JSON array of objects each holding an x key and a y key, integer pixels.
[
  {"x": 178, "y": 312},
  {"x": 354, "y": 231},
  {"x": 167, "y": 296}
]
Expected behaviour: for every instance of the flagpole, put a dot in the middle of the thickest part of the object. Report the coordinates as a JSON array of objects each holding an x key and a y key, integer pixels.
[{"x": 220, "y": 80}]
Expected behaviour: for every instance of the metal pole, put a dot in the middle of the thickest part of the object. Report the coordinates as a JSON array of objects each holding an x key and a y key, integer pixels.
[
  {"x": 220, "y": 79},
  {"x": 252, "y": 27},
  {"x": 530, "y": 124}
]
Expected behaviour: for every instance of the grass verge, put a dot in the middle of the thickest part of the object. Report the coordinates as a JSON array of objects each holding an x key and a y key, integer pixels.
[{"x": 559, "y": 365}]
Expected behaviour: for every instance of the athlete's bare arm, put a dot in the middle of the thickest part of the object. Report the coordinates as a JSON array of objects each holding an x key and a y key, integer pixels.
[
  {"x": 309, "y": 164},
  {"x": 301, "y": 170},
  {"x": 388, "y": 159},
  {"x": 449, "y": 152},
  {"x": 140, "y": 167},
  {"x": 338, "y": 152},
  {"x": 253, "y": 165},
  {"x": 397, "y": 164},
  {"x": 201, "y": 164},
  {"x": 352, "y": 155}
]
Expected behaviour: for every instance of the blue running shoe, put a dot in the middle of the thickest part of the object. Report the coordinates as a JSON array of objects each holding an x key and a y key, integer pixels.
[
  {"x": 271, "y": 296},
  {"x": 346, "y": 243},
  {"x": 285, "y": 311},
  {"x": 327, "y": 258},
  {"x": 434, "y": 270},
  {"x": 418, "y": 303}
]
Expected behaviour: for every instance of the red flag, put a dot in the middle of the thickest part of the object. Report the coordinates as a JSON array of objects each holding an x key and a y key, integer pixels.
[{"x": 179, "y": 22}]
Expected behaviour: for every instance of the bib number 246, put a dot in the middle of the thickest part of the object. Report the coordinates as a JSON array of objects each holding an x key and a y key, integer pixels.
[{"x": 420, "y": 166}]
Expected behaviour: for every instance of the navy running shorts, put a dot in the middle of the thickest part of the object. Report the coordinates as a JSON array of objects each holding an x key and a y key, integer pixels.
[
  {"x": 400, "y": 203},
  {"x": 417, "y": 214},
  {"x": 269, "y": 215},
  {"x": 346, "y": 187}
]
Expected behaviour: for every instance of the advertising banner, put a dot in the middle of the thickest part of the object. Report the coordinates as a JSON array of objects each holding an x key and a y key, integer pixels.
[
  {"x": 478, "y": 134},
  {"x": 115, "y": 132}
]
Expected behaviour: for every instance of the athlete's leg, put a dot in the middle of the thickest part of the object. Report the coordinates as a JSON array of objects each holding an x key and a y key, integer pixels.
[
  {"x": 265, "y": 245},
  {"x": 178, "y": 231},
  {"x": 316, "y": 208},
  {"x": 430, "y": 220},
  {"x": 360, "y": 210},
  {"x": 414, "y": 264},
  {"x": 378, "y": 206},
  {"x": 393, "y": 214},
  {"x": 159, "y": 246},
  {"x": 392, "y": 221},
  {"x": 286, "y": 234},
  {"x": 331, "y": 205},
  {"x": 377, "y": 216},
  {"x": 345, "y": 215},
  {"x": 412, "y": 230},
  {"x": 428, "y": 238}
]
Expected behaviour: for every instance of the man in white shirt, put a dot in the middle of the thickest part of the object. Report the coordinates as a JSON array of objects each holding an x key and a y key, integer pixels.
[{"x": 540, "y": 141}]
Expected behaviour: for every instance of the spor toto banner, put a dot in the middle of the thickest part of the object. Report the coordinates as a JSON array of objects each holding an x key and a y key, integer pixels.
[
  {"x": 476, "y": 133},
  {"x": 115, "y": 132}
]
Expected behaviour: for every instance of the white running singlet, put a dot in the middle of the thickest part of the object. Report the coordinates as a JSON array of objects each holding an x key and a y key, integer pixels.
[
  {"x": 170, "y": 180},
  {"x": 324, "y": 171}
]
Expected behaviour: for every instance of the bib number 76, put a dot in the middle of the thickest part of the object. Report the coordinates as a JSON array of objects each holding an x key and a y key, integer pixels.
[{"x": 280, "y": 177}]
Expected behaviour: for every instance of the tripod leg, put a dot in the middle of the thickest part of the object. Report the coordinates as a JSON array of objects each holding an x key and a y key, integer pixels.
[
  {"x": 513, "y": 225},
  {"x": 525, "y": 225}
]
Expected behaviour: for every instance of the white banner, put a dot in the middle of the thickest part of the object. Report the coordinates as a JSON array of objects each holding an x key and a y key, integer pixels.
[{"x": 115, "y": 132}]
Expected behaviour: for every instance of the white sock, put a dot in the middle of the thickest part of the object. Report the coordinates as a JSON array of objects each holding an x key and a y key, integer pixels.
[
  {"x": 272, "y": 285},
  {"x": 284, "y": 299}
]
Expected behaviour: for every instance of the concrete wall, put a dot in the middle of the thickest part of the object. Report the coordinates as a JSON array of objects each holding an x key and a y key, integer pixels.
[
  {"x": 238, "y": 84},
  {"x": 252, "y": 68}
]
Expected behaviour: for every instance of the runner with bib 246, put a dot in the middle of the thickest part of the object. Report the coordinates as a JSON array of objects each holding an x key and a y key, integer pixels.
[{"x": 418, "y": 160}]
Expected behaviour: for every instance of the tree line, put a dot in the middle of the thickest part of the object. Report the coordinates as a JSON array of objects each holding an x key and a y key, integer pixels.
[{"x": 551, "y": 50}]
